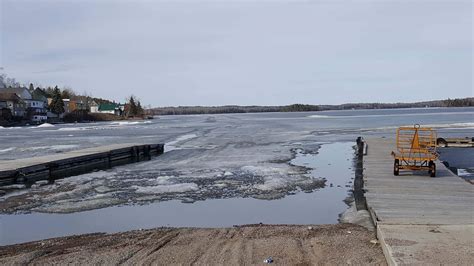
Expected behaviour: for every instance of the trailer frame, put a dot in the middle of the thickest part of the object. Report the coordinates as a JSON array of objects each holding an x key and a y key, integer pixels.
[{"x": 416, "y": 150}]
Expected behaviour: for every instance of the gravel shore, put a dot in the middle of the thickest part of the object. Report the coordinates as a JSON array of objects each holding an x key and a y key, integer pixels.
[{"x": 243, "y": 245}]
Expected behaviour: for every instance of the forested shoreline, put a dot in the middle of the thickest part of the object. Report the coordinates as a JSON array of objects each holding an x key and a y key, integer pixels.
[{"x": 186, "y": 110}]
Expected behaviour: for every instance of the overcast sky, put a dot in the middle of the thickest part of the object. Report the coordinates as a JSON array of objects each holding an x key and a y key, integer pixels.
[{"x": 243, "y": 52}]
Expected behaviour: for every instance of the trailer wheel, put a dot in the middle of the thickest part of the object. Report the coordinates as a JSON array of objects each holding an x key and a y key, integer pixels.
[
  {"x": 396, "y": 167},
  {"x": 442, "y": 142},
  {"x": 432, "y": 170}
]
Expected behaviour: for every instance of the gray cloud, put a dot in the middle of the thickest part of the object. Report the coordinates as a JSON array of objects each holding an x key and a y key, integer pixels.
[{"x": 212, "y": 53}]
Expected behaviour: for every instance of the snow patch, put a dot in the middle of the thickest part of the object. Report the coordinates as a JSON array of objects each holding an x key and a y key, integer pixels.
[
  {"x": 467, "y": 125},
  {"x": 13, "y": 194},
  {"x": 7, "y": 149},
  {"x": 71, "y": 128},
  {"x": 319, "y": 116},
  {"x": 394, "y": 115},
  {"x": 172, "y": 145},
  {"x": 264, "y": 170},
  {"x": 274, "y": 177},
  {"x": 124, "y": 123},
  {"x": 173, "y": 188},
  {"x": 161, "y": 180},
  {"x": 45, "y": 125},
  {"x": 448, "y": 126},
  {"x": 63, "y": 147},
  {"x": 272, "y": 184},
  {"x": 52, "y": 147},
  {"x": 87, "y": 128},
  {"x": 465, "y": 172},
  {"x": 84, "y": 179}
]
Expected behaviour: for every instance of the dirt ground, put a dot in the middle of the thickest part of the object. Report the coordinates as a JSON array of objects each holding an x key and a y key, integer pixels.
[{"x": 245, "y": 245}]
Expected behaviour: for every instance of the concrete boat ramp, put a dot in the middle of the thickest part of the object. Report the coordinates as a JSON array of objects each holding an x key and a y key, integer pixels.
[
  {"x": 419, "y": 219},
  {"x": 51, "y": 167}
]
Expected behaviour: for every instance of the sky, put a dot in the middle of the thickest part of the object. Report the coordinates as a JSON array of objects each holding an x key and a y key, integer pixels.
[{"x": 171, "y": 53}]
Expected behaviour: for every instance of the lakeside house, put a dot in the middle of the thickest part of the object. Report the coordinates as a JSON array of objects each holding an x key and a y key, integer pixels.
[
  {"x": 12, "y": 102},
  {"x": 107, "y": 108},
  {"x": 94, "y": 107},
  {"x": 22, "y": 92},
  {"x": 38, "y": 106},
  {"x": 77, "y": 105},
  {"x": 71, "y": 105},
  {"x": 23, "y": 105}
]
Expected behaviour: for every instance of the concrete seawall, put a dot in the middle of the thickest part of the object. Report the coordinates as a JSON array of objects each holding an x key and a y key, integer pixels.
[{"x": 72, "y": 163}]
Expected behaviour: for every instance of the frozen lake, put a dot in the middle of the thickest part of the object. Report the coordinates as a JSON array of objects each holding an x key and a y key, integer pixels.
[
  {"x": 218, "y": 170},
  {"x": 199, "y": 130},
  {"x": 321, "y": 207}
]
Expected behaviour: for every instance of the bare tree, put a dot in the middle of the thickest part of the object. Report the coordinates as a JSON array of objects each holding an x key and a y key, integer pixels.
[{"x": 8, "y": 82}]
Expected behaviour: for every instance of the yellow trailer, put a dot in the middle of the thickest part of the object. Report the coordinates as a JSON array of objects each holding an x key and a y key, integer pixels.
[{"x": 416, "y": 150}]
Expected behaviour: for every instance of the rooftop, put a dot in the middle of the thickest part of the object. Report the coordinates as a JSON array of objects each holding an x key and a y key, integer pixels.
[
  {"x": 22, "y": 92},
  {"x": 9, "y": 96},
  {"x": 108, "y": 106}
]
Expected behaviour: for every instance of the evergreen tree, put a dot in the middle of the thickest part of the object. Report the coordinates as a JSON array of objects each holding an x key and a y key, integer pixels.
[
  {"x": 57, "y": 105},
  {"x": 134, "y": 106},
  {"x": 31, "y": 88},
  {"x": 50, "y": 92},
  {"x": 139, "y": 109}
]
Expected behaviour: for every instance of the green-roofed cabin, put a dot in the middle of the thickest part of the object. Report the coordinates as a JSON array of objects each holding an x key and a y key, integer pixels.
[{"x": 109, "y": 108}]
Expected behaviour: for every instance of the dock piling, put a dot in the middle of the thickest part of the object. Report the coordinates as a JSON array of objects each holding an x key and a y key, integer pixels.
[{"x": 359, "y": 197}]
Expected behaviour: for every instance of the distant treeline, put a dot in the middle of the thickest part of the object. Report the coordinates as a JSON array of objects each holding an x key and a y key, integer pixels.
[
  {"x": 464, "y": 102},
  {"x": 187, "y": 110}
]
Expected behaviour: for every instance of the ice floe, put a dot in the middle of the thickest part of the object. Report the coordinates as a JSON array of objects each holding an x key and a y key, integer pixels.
[
  {"x": 7, "y": 149},
  {"x": 172, "y": 145},
  {"x": 173, "y": 188}
]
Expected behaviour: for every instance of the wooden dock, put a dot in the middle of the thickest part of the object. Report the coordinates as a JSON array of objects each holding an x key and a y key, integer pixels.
[
  {"x": 72, "y": 163},
  {"x": 419, "y": 219}
]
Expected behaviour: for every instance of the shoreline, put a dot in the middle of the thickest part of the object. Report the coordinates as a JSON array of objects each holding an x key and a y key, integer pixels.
[
  {"x": 246, "y": 244},
  {"x": 31, "y": 124}
]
